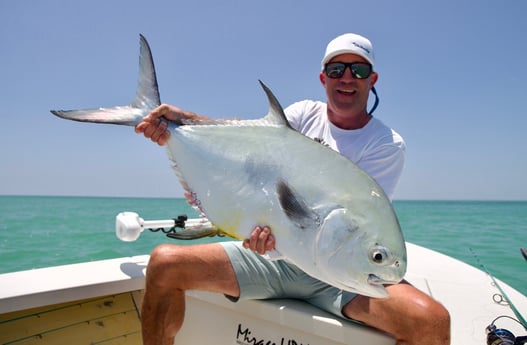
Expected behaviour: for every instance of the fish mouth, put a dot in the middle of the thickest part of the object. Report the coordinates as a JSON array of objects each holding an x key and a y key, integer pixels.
[
  {"x": 374, "y": 287},
  {"x": 377, "y": 281}
]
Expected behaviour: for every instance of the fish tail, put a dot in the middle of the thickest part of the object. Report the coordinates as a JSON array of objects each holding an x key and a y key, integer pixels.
[{"x": 146, "y": 98}]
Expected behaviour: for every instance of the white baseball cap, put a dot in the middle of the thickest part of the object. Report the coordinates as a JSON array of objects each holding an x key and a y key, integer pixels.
[{"x": 349, "y": 44}]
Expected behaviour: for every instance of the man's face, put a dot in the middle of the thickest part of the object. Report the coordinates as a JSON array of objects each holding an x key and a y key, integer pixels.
[{"x": 347, "y": 95}]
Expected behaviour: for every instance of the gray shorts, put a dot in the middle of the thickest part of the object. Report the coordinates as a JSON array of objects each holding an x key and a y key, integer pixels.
[{"x": 260, "y": 278}]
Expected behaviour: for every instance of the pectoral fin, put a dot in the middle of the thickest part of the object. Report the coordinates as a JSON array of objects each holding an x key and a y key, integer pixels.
[{"x": 295, "y": 207}]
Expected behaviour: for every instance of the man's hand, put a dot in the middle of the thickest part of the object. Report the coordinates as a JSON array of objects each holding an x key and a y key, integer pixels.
[
  {"x": 261, "y": 240},
  {"x": 155, "y": 127}
]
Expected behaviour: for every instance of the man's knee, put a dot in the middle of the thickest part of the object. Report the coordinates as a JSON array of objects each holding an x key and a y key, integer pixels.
[
  {"x": 407, "y": 314},
  {"x": 163, "y": 255},
  {"x": 422, "y": 310},
  {"x": 439, "y": 315},
  {"x": 425, "y": 319},
  {"x": 176, "y": 267},
  {"x": 432, "y": 318},
  {"x": 163, "y": 264}
]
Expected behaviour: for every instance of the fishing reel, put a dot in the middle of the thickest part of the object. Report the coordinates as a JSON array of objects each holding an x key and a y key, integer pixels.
[{"x": 502, "y": 336}]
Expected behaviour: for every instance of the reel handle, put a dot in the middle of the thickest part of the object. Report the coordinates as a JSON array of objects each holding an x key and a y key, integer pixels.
[{"x": 128, "y": 225}]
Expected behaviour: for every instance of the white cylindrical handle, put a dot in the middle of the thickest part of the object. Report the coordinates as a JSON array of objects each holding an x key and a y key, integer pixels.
[{"x": 128, "y": 226}]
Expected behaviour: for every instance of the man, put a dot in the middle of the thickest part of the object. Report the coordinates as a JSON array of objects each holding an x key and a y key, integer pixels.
[{"x": 345, "y": 125}]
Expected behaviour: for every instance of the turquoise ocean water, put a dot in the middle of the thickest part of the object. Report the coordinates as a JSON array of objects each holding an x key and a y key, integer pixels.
[{"x": 38, "y": 231}]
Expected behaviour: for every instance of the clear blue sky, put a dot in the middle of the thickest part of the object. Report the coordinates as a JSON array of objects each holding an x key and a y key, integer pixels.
[{"x": 452, "y": 82}]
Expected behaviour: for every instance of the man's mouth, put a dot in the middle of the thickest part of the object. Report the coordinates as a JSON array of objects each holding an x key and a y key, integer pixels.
[{"x": 347, "y": 92}]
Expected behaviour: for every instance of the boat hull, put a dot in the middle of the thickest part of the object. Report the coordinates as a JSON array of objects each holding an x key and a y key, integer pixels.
[{"x": 37, "y": 305}]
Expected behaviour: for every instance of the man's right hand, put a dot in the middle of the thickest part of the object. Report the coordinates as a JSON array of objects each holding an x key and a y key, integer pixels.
[{"x": 155, "y": 127}]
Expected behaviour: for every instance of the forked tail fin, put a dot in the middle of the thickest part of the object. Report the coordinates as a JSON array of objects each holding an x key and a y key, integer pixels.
[{"x": 146, "y": 98}]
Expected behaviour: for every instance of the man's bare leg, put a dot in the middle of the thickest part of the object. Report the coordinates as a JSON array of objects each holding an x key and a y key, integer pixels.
[
  {"x": 171, "y": 271},
  {"x": 410, "y": 315}
]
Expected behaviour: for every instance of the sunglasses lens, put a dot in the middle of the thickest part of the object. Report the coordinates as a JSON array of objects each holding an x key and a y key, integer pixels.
[
  {"x": 359, "y": 70},
  {"x": 335, "y": 70}
]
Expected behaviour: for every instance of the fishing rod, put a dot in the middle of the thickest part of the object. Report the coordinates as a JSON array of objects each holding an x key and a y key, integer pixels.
[{"x": 502, "y": 336}]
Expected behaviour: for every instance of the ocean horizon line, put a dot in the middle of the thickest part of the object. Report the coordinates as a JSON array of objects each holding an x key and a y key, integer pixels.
[{"x": 182, "y": 197}]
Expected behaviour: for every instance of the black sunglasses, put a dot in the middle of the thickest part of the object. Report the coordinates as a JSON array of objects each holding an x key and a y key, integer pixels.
[{"x": 359, "y": 70}]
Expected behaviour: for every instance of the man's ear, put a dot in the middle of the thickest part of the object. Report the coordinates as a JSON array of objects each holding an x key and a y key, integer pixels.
[
  {"x": 374, "y": 78},
  {"x": 322, "y": 77}
]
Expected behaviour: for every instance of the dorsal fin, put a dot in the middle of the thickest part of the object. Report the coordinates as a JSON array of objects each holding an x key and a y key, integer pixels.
[{"x": 276, "y": 112}]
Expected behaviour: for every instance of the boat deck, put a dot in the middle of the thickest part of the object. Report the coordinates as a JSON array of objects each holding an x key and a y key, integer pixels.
[{"x": 109, "y": 320}]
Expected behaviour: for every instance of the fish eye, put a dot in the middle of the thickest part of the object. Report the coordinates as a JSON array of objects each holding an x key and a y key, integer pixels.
[{"x": 378, "y": 255}]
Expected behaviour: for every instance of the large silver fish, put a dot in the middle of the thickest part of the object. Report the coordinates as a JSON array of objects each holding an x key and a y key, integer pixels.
[{"x": 328, "y": 216}]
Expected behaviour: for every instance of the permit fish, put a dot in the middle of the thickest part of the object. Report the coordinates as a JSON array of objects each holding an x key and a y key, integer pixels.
[{"x": 328, "y": 216}]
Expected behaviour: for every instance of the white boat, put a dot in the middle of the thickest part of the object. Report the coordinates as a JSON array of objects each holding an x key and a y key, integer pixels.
[{"x": 99, "y": 303}]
